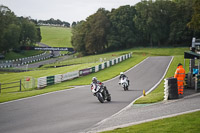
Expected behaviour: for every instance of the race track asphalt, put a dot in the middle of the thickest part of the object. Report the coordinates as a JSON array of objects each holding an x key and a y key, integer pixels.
[
  {"x": 75, "y": 110},
  {"x": 142, "y": 113}
]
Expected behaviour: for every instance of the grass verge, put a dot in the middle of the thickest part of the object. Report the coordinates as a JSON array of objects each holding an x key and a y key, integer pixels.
[
  {"x": 188, "y": 123},
  {"x": 18, "y": 95}
]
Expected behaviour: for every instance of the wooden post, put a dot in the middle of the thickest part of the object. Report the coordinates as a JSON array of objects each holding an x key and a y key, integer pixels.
[{"x": 20, "y": 84}]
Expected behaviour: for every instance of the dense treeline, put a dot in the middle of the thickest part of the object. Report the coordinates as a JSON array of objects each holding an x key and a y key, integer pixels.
[
  {"x": 16, "y": 31},
  {"x": 52, "y": 21},
  {"x": 148, "y": 23}
]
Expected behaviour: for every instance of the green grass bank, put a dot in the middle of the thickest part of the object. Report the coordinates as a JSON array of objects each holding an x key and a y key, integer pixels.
[
  {"x": 187, "y": 123},
  {"x": 56, "y": 36}
]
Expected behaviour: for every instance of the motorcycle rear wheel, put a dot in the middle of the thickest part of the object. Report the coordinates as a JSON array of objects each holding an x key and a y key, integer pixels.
[{"x": 109, "y": 98}]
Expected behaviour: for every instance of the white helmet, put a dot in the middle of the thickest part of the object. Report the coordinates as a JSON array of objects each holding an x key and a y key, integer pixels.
[
  {"x": 121, "y": 73},
  {"x": 94, "y": 79}
]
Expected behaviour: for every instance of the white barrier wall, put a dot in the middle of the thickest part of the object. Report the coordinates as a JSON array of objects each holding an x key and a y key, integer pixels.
[
  {"x": 120, "y": 58},
  {"x": 70, "y": 75},
  {"x": 102, "y": 66},
  {"x": 116, "y": 60},
  {"x": 97, "y": 68},
  {"x": 58, "y": 78},
  {"x": 42, "y": 82},
  {"x": 113, "y": 62},
  {"x": 108, "y": 63},
  {"x": 166, "y": 90}
]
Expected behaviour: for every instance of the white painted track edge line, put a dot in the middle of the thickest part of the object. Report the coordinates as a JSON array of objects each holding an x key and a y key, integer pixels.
[{"x": 162, "y": 76}]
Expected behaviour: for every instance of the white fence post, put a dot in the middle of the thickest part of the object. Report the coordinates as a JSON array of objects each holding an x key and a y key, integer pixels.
[
  {"x": 42, "y": 82},
  {"x": 58, "y": 78},
  {"x": 166, "y": 92}
]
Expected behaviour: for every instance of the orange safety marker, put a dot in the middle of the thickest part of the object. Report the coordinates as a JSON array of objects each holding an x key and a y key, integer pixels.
[{"x": 144, "y": 93}]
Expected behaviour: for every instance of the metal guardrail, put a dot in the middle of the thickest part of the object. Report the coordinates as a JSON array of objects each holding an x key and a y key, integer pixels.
[{"x": 24, "y": 61}]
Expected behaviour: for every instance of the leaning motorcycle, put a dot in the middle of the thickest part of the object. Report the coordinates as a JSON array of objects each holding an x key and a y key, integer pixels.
[
  {"x": 124, "y": 83},
  {"x": 100, "y": 92}
]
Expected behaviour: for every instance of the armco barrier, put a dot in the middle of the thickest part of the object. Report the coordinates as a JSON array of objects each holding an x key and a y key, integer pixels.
[
  {"x": 44, "y": 81},
  {"x": 24, "y": 61}
]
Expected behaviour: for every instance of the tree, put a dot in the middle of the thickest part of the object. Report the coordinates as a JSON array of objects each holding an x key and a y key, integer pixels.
[
  {"x": 90, "y": 36},
  {"x": 179, "y": 32},
  {"x": 52, "y": 21},
  {"x": 7, "y": 21},
  {"x": 29, "y": 33},
  {"x": 149, "y": 23},
  {"x": 39, "y": 37},
  {"x": 122, "y": 31},
  {"x": 98, "y": 26},
  {"x": 153, "y": 20},
  {"x": 66, "y": 24},
  {"x": 160, "y": 15},
  {"x": 78, "y": 35},
  {"x": 142, "y": 20},
  {"x": 73, "y": 24},
  {"x": 11, "y": 37},
  {"x": 16, "y": 31},
  {"x": 194, "y": 24}
]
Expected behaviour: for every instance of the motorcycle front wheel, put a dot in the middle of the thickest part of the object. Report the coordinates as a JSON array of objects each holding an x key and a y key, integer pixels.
[
  {"x": 124, "y": 88},
  {"x": 100, "y": 97},
  {"x": 127, "y": 88}
]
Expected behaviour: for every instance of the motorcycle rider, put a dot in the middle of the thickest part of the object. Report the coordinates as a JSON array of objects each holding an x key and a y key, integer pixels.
[
  {"x": 122, "y": 75},
  {"x": 95, "y": 81}
]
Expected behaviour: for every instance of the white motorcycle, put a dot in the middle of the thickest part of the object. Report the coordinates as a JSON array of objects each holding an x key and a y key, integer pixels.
[
  {"x": 124, "y": 83},
  {"x": 100, "y": 92}
]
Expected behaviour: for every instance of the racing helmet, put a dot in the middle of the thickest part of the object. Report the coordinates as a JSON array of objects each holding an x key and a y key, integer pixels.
[
  {"x": 121, "y": 73},
  {"x": 94, "y": 79}
]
